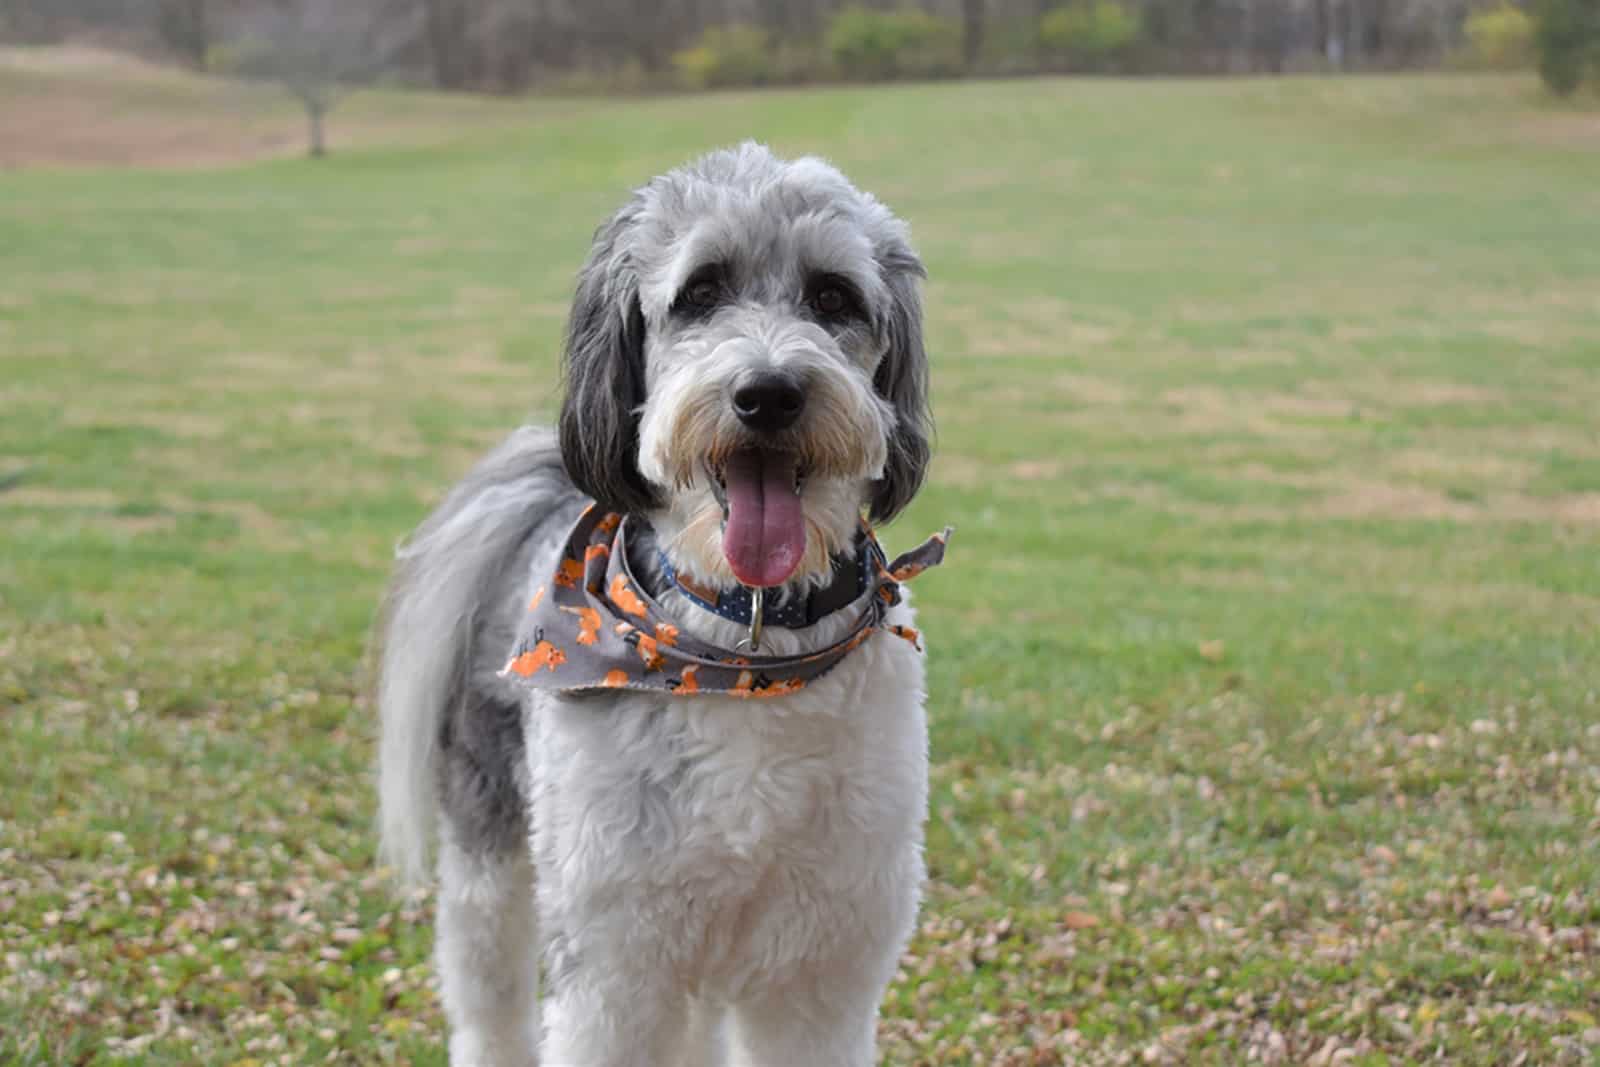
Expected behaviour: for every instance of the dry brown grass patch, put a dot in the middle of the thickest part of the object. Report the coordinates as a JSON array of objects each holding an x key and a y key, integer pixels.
[
  {"x": 73, "y": 107},
  {"x": 1090, "y": 391},
  {"x": 1477, "y": 467},
  {"x": 189, "y": 424},
  {"x": 1381, "y": 500},
  {"x": 48, "y": 498},
  {"x": 1574, "y": 130},
  {"x": 1384, "y": 500}
]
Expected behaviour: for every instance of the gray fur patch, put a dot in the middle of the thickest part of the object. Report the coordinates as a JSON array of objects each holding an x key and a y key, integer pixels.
[
  {"x": 482, "y": 772},
  {"x": 450, "y": 615}
]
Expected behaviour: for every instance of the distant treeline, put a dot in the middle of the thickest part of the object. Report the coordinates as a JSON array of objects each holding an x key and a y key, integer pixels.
[{"x": 511, "y": 45}]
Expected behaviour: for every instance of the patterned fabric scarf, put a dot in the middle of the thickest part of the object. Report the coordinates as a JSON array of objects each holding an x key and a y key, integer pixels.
[{"x": 592, "y": 625}]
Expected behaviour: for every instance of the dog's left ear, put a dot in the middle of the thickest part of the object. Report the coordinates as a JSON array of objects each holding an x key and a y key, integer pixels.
[
  {"x": 605, "y": 381},
  {"x": 902, "y": 380}
]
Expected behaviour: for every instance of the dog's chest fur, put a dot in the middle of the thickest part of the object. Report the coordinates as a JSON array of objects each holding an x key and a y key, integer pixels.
[{"x": 752, "y": 836}]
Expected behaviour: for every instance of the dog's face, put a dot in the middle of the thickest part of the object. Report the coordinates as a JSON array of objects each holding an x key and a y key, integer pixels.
[{"x": 744, "y": 365}]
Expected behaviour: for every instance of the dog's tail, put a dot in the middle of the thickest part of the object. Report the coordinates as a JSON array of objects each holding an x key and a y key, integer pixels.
[{"x": 447, "y": 576}]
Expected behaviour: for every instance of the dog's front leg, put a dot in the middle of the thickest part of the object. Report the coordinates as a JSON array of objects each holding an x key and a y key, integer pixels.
[
  {"x": 611, "y": 999},
  {"x": 615, "y": 939},
  {"x": 812, "y": 1022},
  {"x": 823, "y": 1008}
]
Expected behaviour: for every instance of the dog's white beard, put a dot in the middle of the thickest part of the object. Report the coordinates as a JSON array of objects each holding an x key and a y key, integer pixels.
[{"x": 689, "y": 430}]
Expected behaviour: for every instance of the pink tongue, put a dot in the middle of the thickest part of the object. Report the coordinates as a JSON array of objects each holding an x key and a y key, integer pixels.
[{"x": 766, "y": 531}]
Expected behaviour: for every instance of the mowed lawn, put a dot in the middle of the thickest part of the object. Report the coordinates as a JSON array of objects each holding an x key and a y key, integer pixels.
[{"x": 1264, "y": 666}]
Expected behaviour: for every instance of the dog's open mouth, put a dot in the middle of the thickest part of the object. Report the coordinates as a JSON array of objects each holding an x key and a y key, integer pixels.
[{"x": 764, "y": 526}]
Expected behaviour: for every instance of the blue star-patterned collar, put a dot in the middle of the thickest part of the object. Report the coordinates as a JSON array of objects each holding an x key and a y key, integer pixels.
[{"x": 852, "y": 573}]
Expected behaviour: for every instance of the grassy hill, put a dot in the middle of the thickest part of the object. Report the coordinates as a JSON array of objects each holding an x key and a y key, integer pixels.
[{"x": 1264, "y": 666}]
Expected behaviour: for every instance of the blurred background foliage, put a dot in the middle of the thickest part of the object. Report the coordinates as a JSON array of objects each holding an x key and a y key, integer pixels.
[{"x": 509, "y": 46}]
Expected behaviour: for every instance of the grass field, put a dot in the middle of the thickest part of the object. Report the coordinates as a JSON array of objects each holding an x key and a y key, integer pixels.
[{"x": 1265, "y": 665}]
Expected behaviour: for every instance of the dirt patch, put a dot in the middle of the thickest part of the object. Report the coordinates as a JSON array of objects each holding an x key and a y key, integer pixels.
[
  {"x": 67, "y": 129},
  {"x": 81, "y": 60},
  {"x": 1578, "y": 508},
  {"x": 1566, "y": 131},
  {"x": 82, "y": 107}
]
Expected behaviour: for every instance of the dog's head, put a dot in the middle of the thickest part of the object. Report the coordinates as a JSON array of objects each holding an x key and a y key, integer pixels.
[{"x": 744, "y": 366}]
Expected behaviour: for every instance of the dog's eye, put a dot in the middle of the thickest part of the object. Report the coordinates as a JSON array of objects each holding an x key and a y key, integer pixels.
[
  {"x": 702, "y": 294},
  {"x": 830, "y": 300},
  {"x": 832, "y": 297}
]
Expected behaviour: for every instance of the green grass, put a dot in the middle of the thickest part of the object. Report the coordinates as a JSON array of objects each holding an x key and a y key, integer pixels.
[{"x": 1264, "y": 666}]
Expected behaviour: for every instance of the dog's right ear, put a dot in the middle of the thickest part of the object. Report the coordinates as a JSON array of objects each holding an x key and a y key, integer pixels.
[
  {"x": 902, "y": 379},
  {"x": 604, "y": 371}
]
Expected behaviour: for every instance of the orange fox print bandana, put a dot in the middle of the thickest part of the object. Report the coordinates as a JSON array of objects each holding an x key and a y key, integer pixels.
[{"x": 591, "y": 625}]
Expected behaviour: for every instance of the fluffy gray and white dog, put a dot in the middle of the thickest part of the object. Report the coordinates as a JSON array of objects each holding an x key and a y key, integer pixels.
[{"x": 696, "y": 879}]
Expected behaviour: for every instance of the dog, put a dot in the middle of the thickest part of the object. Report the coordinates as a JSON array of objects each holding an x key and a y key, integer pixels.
[{"x": 647, "y": 685}]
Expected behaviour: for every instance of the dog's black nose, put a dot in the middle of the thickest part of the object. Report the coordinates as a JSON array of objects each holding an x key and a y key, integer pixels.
[{"x": 769, "y": 402}]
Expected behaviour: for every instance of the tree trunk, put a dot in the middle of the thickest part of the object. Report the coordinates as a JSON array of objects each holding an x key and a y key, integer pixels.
[
  {"x": 1330, "y": 27},
  {"x": 971, "y": 32},
  {"x": 202, "y": 34},
  {"x": 1376, "y": 22},
  {"x": 649, "y": 31},
  {"x": 778, "y": 23},
  {"x": 554, "y": 39},
  {"x": 185, "y": 29},
  {"x": 1041, "y": 8},
  {"x": 1356, "y": 35},
  {"x": 446, "y": 43},
  {"x": 314, "y": 112}
]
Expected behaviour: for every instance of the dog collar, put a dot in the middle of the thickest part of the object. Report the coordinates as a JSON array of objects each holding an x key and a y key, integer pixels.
[
  {"x": 591, "y": 625},
  {"x": 852, "y": 574}
]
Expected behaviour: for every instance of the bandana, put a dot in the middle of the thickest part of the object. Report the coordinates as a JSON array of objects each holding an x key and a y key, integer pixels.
[{"x": 592, "y": 625}]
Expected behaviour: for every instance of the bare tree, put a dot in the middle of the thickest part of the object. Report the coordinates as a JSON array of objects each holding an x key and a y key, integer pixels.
[
  {"x": 320, "y": 49},
  {"x": 971, "y": 32},
  {"x": 185, "y": 28},
  {"x": 446, "y": 20}
]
